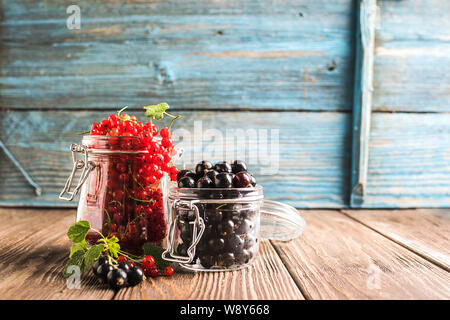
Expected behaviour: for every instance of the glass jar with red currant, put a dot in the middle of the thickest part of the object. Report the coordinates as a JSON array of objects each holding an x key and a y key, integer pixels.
[{"x": 125, "y": 168}]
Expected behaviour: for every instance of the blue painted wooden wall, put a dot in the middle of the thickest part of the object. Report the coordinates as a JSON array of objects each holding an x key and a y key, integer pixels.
[{"x": 266, "y": 64}]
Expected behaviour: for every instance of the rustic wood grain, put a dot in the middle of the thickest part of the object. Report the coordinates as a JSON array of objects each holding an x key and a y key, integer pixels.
[
  {"x": 312, "y": 168},
  {"x": 33, "y": 252},
  {"x": 338, "y": 258},
  {"x": 423, "y": 231},
  {"x": 267, "y": 278},
  {"x": 195, "y": 55}
]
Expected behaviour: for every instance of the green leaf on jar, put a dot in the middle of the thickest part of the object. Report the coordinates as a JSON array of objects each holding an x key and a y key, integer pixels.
[{"x": 78, "y": 231}]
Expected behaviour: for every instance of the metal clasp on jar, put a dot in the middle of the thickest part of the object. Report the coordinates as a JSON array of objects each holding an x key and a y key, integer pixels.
[
  {"x": 78, "y": 164},
  {"x": 196, "y": 234}
]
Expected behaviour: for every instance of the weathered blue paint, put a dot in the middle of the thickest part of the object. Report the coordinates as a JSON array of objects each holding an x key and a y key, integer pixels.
[
  {"x": 128, "y": 54},
  {"x": 362, "y": 99},
  {"x": 412, "y": 56},
  {"x": 290, "y": 63},
  {"x": 314, "y": 149},
  {"x": 409, "y": 163}
]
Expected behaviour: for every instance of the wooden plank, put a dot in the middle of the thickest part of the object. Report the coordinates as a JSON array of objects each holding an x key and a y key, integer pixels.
[
  {"x": 362, "y": 98},
  {"x": 266, "y": 279},
  {"x": 423, "y": 231},
  {"x": 409, "y": 164},
  {"x": 196, "y": 55},
  {"x": 338, "y": 258},
  {"x": 313, "y": 163},
  {"x": 33, "y": 252},
  {"x": 412, "y": 56}
]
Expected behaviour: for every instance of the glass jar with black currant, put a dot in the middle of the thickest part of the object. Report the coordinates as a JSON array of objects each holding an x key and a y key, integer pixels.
[
  {"x": 215, "y": 217},
  {"x": 118, "y": 196}
]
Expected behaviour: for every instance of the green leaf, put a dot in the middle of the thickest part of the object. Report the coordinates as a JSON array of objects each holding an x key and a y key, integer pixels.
[
  {"x": 80, "y": 246},
  {"x": 78, "y": 231},
  {"x": 114, "y": 249},
  {"x": 76, "y": 260},
  {"x": 156, "y": 111},
  {"x": 91, "y": 255},
  {"x": 156, "y": 252}
]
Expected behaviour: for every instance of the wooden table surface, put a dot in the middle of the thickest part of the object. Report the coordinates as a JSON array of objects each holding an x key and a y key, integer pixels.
[{"x": 342, "y": 254}]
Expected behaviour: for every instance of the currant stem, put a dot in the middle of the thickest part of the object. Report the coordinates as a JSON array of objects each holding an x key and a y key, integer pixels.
[
  {"x": 171, "y": 122},
  {"x": 120, "y": 111}
]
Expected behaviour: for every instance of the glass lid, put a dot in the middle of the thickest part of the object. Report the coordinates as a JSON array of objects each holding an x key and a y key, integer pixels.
[{"x": 280, "y": 221}]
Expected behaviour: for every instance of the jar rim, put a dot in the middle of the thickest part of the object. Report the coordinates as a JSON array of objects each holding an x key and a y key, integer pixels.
[
  {"x": 245, "y": 194},
  {"x": 113, "y": 144}
]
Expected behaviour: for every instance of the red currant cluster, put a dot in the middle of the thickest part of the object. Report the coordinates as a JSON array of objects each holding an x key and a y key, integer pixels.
[
  {"x": 151, "y": 270},
  {"x": 160, "y": 151},
  {"x": 132, "y": 206}
]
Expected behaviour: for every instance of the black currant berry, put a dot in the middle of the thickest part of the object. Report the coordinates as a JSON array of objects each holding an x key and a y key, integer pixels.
[
  {"x": 223, "y": 180},
  {"x": 245, "y": 226},
  {"x": 135, "y": 276},
  {"x": 124, "y": 266},
  {"x": 186, "y": 182},
  {"x": 211, "y": 174},
  {"x": 234, "y": 243},
  {"x": 242, "y": 180},
  {"x": 216, "y": 244},
  {"x": 103, "y": 270},
  {"x": 205, "y": 182},
  {"x": 117, "y": 278},
  {"x": 213, "y": 217},
  {"x": 243, "y": 257},
  {"x": 225, "y": 259},
  {"x": 182, "y": 173},
  {"x": 182, "y": 249},
  {"x": 97, "y": 263},
  {"x": 226, "y": 227},
  {"x": 207, "y": 261},
  {"x": 223, "y": 166},
  {"x": 250, "y": 241},
  {"x": 186, "y": 173},
  {"x": 201, "y": 167},
  {"x": 252, "y": 180},
  {"x": 238, "y": 166}
]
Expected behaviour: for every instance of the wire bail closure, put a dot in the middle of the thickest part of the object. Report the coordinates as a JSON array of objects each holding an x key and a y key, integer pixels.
[
  {"x": 78, "y": 164},
  {"x": 196, "y": 236}
]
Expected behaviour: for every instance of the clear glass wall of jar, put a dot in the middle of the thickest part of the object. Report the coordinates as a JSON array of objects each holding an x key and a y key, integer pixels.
[
  {"x": 116, "y": 200},
  {"x": 214, "y": 229}
]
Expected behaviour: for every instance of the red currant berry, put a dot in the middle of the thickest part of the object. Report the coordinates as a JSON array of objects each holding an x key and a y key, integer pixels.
[
  {"x": 113, "y": 121},
  {"x": 174, "y": 170},
  {"x": 121, "y": 167},
  {"x": 159, "y": 174},
  {"x": 166, "y": 142},
  {"x": 105, "y": 125},
  {"x": 158, "y": 159},
  {"x": 122, "y": 259},
  {"x": 148, "y": 262},
  {"x": 164, "y": 133},
  {"x": 154, "y": 272},
  {"x": 168, "y": 271},
  {"x": 142, "y": 194},
  {"x": 117, "y": 218},
  {"x": 118, "y": 195}
]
